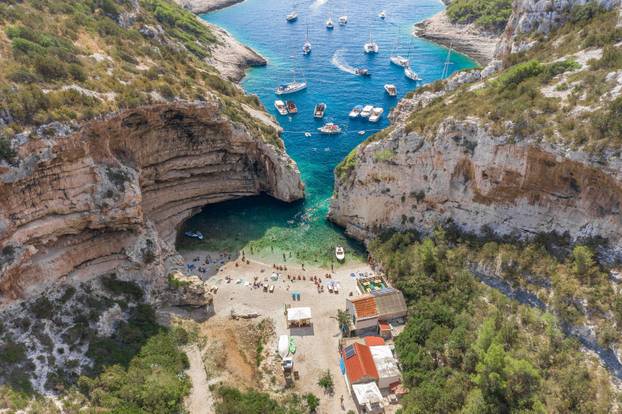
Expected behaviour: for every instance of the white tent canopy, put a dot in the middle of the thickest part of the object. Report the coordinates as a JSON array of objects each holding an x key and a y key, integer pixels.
[{"x": 298, "y": 314}]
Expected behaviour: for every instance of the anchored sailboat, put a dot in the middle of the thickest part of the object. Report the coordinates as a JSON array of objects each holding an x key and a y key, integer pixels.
[
  {"x": 306, "y": 48},
  {"x": 291, "y": 87},
  {"x": 447, "y": 62},
  {"x": 371, "y": 46},
  {"x": 396, "y": 58}
]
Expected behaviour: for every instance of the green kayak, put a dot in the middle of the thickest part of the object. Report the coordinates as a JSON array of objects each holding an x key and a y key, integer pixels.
[{"x": 292, "y": 345}]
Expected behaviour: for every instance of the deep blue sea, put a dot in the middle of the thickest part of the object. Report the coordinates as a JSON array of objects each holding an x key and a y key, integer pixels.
[{"x": 301, "y": 231}]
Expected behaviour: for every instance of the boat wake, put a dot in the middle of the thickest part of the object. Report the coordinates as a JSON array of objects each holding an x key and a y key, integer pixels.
[
  {"x": 315, "y": 6},
  {"x": 339, "y": 61}
]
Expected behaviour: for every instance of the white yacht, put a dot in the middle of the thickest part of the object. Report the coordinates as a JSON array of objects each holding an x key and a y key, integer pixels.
[
  {"x": 340, "y": 254},
  {"x": 391, "y": 89},
  {"x": 371, "y": 46},
  {"x": 366, "y": 112},
  {"x": 376, "y": 113},
  {"x": 330, "y": 129},
  {"x": 356, "y": 111},
  {"x": 400, "y": 61},
  {"x": 382, "y": 15},
  {"x": 292, "y": 16},
  {"x": 343, "y": 20},
  {"x": 280, "y": 106},
  {"x": 411, "y": 74},
  {"x": 291, "y": 87}
]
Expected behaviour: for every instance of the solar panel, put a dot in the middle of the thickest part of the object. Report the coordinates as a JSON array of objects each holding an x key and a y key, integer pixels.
[{"x": 349, "y": 351}]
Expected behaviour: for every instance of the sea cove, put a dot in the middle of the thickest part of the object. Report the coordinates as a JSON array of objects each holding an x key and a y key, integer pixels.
[{"x": 267, "y": 228}]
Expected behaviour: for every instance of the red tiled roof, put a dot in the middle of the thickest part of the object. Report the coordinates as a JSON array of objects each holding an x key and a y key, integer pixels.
[
  {"x": 374, "y": 341},
  {"x": 384, "y": 326},
  {"x": 365, "y": 306},
  {"x": 360, "y": 365}
]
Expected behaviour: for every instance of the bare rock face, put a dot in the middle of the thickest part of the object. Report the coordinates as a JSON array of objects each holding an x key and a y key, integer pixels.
[
  {"x": 539, "y": 17},
  {"x": 186, "y": 291},
  {"x": 479, "y": 182},
  {"x": 109, "y": 196}
]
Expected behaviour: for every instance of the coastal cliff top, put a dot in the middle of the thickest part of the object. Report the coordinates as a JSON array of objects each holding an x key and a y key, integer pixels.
[{"x": 70, "y": 61}]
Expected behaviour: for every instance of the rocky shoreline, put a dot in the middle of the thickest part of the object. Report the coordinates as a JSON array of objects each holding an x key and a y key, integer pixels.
[
  {"x": 467, "y": 39},
  {"x": 205, "y": 6}
]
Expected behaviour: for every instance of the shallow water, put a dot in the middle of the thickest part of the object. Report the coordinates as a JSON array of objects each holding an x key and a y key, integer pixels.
[{"x": 301, "y": 230}]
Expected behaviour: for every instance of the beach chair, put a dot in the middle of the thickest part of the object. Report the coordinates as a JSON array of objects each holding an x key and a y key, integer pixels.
[{"x": 271, "y": 288}]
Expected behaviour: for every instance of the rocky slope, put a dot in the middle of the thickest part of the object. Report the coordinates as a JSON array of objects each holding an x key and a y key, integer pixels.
[
  {"x": 110, "y": 195},
  {"x": 204, "y": 6},
  {"x": 464, "y": 153}
]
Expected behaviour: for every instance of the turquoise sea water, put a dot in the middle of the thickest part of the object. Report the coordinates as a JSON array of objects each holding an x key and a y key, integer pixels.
[{"x": 301, "y": 230}]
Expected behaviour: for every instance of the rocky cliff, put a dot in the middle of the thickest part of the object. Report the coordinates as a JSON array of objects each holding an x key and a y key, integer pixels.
[
  {"x": 110, "y": 194},
  {"x": 495, "y": 154}
]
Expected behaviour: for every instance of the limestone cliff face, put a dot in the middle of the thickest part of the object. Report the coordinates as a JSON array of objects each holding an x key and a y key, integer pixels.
[
  {"x": 539, "y": 17},
  {"x": 479, "y": 182},
  {"x": 109, "y": 195}
]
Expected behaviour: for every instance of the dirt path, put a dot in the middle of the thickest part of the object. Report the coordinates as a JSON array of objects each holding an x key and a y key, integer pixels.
[{"x": 200, "y": 399}]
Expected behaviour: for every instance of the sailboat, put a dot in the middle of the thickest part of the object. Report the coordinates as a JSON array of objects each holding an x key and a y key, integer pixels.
[
  {"x": 291, "y": 87},
  {"x": 306, "y": 48},
  {"x": 292, "y": 16},
  {"x": 329, "y": 23},
  {"x": 408, "y": 71},
  {"x": 397, "y": 59},
  {"x": 447, "y": 62},
  {"x": 371, "y": 46}
]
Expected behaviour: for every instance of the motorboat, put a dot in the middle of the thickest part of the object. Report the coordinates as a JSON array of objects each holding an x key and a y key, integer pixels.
[
  {"x": 292, "y": 17},
  {"x": 356, "y": 111},
  {"x": 376, "y": 113},
  {"x": 291, "y": 107},
  {"x": 329, "y": 23},
  {"x": 291, "y": 87},
  {"x": 306, "y": 48},
  {"x": 280, "y": 106},
  {"x": 390, "y": 89},
  {"x": 382, "y": 15},
  {"x": 411, "y": 74},
  {"x": 194, "y": 235},
  {"x": 362, "y": 132},
  {"x": 343, "y": 20},
  {"x": 362, "y": 72},
  {"x": 400, "y": 61},
  {"x": 319, "y": 110},
  {"x": 340, "y": 253},
  {"x": 366, "y": 112},
  {"x": 308, "y": 135},
  {"x": 330, "y": 129},
  {"x": 371, "y": 46}
]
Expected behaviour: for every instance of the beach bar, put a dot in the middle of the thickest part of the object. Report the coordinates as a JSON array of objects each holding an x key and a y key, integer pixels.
[{"x": 298, "y": 317}]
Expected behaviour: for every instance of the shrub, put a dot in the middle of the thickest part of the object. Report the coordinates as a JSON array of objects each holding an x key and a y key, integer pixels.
[
  {"x": 7, "y": 152},
  {"x": 519, "y": 73},
  {"x": 488, "y": 14}
]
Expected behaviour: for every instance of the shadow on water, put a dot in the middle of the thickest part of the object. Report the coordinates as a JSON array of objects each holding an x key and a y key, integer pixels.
[{"x": 270, "y": 229}]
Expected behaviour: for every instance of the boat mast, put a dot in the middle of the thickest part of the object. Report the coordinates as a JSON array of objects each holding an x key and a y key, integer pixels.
[{"x": 447, "y": 62}]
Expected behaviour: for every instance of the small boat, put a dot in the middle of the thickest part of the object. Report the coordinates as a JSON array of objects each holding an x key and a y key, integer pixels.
[
  {"x": 292, "y": 17},
  {"x": 362, "y": 132},
  {"x": 329, "y": 23},
  {"x": 291, "y": 107},
  {"x": 330, "y": 129},
  {"x": 308, "y": 135},
  {"x": 340, "y": 253},
  {"x": 283, "y": 347},
  {"x": 280, "y": 106},
  {"x": 356, "y": 111},
  {"x": 371, "y": 46},
  {"x": 343, "y": 20},
  {"x": 411, "y": 74},
  {"x": 194, "y": 235},
  {"x": 366, "y": 112},
  {"x": 390, "y": 89},
  {"x": 400, "y": 61},
  {"x": 382, "y": 15},
  {"x": 362, "y": 72},
  {"x": 376, "y": 113},
  {"x": 319, "y": 110},
  {"x": 291, "y": 87},
  {"x": 306, "y": 48}
]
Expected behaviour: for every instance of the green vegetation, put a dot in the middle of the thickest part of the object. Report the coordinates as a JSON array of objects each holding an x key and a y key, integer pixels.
[
  {"x": 466, "y": 348},
  {"x": 517, "y": 97},
  {"x": 75, "y": 60},
  {"x": 233, "y": 401},
  {"x": 487, "y": 14},
  {"x": 326, "y": 382}
]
